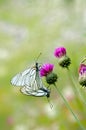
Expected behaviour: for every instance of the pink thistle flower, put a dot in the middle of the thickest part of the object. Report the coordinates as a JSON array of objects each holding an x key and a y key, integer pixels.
[
  {"x": 82, "y": 69},
  {"x": 63, "y": 60},
  {"x": 82, "y": 75},
  {"x": 59, "y": 52},
  {"x": 46, "y": 69}
]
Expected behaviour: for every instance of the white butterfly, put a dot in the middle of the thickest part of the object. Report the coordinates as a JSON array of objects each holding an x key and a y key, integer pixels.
[{"x": 31, "y": 82}]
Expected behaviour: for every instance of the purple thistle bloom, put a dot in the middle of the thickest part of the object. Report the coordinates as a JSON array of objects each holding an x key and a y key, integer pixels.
[
  {"x": 63, "y": 60},
  {"x": 46, "y": 69},
  {"x": 59, "y": 52},
  {"x": 82, "y": 69},
  {"x": 82, "y": 75}
]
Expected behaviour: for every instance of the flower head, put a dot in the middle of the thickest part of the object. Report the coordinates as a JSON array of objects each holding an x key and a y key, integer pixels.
[
  {"x": 82, "y": 75},
  {"x": 59, "y": 52},
  {"x": 63, "y": 60},
  {"x": 46, "y": 69},
  {"x": 82, "y": 69}
]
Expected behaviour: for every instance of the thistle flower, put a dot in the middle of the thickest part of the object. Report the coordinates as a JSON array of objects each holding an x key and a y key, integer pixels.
[
  {"x": 47, "y": 71},
  {"x": 82, "y": 74},
  {"x": 59, "y": 52},
  {"x": 63, "y": 60}
]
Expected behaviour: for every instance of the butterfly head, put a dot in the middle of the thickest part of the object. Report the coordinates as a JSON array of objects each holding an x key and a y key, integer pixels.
[{"x": 38, "y": 66}]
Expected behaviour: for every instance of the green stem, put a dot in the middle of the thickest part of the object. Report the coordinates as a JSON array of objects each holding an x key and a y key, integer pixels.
[
  {"x": 68, "y": 106},
  {"x": 75, "y": 88}
]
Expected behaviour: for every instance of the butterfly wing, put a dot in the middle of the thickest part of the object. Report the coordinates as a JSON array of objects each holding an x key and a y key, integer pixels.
[
  {"x": 36, "y": 87},
  {"x": 29, "y": 92},
  {"x": 24, "y": 78},
  {"x": 39, "y": 81}
]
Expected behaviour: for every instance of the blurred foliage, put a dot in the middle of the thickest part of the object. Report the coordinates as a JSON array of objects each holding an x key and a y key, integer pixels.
[{"x": 28, "y": 27}]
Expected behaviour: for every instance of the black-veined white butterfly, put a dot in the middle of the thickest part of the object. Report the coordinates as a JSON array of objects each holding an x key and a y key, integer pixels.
[{"x": 30, "y": 82}]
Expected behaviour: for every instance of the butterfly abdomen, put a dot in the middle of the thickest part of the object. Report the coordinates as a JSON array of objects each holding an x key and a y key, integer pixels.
[{"x": 46, "y": 91}]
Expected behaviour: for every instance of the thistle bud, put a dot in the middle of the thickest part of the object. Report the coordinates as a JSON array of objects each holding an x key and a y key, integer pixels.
[
  {"x": 51, "y": 78},
  {"x": 64, "y": 61}
]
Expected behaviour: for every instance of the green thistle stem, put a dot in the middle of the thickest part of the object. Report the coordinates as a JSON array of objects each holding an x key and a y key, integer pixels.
[
  {"x": 68, "y": 106},
  {"x": 75, "y": 88}
]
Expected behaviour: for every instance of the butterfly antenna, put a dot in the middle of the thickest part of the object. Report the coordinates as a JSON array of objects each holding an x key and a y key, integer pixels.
[
  {"x": 51, "y": 105},
  {"x": 38, "y": 57}
]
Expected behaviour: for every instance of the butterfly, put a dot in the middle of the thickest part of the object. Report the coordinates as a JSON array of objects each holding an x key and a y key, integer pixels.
[{"x": 30, "y": 82}]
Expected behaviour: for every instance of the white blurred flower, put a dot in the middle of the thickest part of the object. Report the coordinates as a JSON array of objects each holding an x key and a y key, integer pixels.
[
  {"x": 20, "y": 127},
  {"x": 68, "y": 93},
  {"x": 52, "y": 113},
  {"x": 4, "y": 54}
]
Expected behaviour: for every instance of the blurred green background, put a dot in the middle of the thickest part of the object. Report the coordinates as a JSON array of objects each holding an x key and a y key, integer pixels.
[{"x": 28, "y": 27}]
